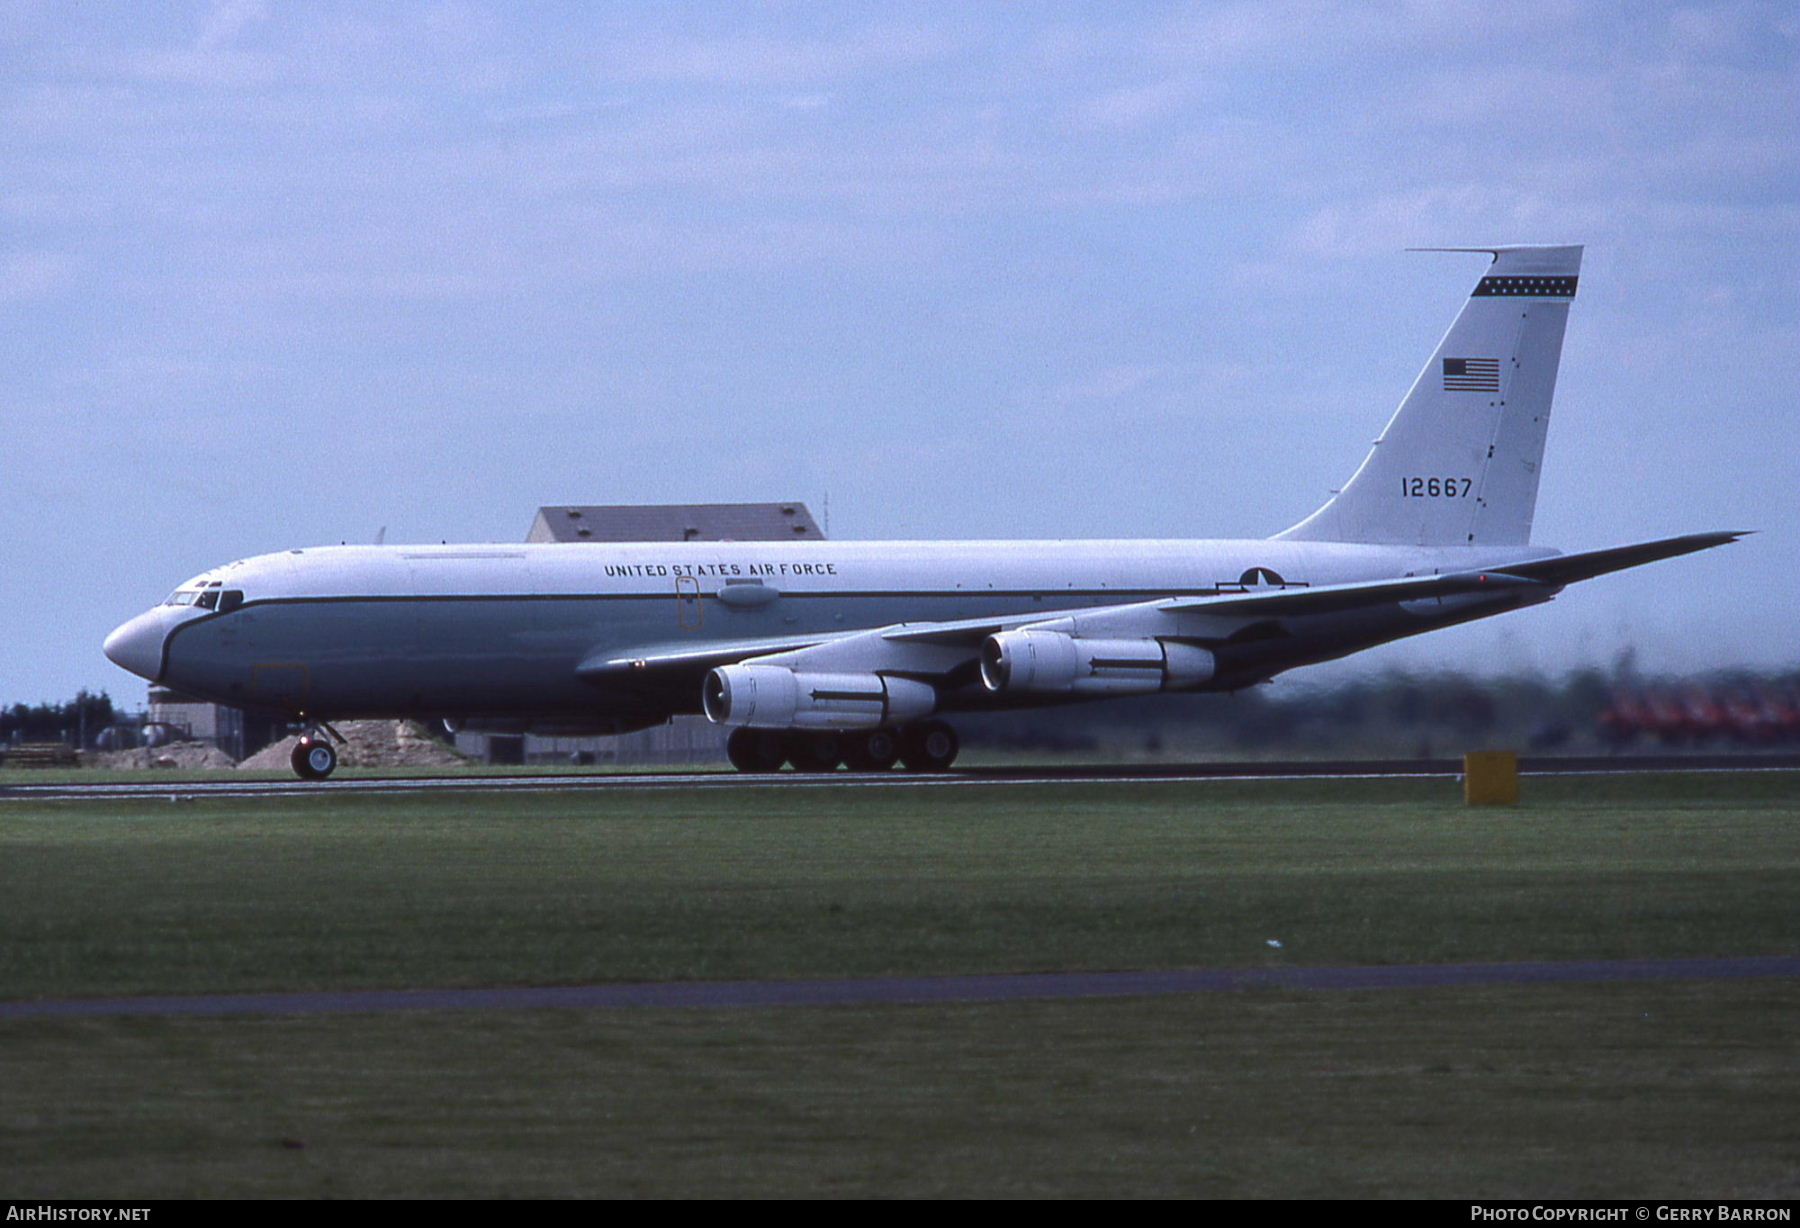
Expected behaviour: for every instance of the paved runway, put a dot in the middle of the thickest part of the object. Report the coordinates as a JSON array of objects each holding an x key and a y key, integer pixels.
[
  {"x": 899, "y": 990},
  {"x": 156, "y": 786}
]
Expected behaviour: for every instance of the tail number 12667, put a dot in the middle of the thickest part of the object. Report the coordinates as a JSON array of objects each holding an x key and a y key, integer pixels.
[{"x": 1436, "y": 488}]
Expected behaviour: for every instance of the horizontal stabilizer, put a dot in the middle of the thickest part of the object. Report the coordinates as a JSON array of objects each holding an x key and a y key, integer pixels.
[{"x": 1569, "y": 568}]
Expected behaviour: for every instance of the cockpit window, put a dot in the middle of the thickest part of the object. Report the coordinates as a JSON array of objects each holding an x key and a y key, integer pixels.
[{"x": 208, "y": 595}]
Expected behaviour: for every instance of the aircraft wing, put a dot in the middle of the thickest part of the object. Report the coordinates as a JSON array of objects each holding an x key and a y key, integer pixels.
[
  {"x": 648, "y": 662},
  {"x": 941, "y": 643},
  {"x": 1270, "y": 603}
]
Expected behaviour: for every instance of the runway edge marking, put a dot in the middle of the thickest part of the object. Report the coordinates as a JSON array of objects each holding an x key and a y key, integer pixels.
[{"x": 999, "y": 987}]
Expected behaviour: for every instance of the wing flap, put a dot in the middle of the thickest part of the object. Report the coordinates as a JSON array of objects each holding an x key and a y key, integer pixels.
[
  {"x": 974, "y": 630},
  {"x": 1331, "y": 598},
  {"x": 625, "y": 664}
]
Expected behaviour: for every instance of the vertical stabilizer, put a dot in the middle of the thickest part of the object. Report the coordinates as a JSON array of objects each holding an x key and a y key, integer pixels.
[{"x": 1458, "y": 463}]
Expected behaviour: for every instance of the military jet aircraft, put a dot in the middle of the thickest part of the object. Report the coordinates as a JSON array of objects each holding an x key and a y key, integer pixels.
[{"x": 821, "y": 653}]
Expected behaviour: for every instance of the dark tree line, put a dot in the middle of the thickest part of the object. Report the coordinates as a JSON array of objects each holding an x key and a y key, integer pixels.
[
  {"x": 1401, "y": 713},
  {"x": 77, "y": 722},
  {"x": 1389, "y": 713}
]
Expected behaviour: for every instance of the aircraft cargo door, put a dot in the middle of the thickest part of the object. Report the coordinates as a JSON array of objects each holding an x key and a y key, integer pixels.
[
  {"x": 688, "y": 612},
  {"x": 285, "y": 686}
]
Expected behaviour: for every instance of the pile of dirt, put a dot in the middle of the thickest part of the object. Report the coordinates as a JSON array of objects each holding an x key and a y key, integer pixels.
[
  {"x": 368, "y": 744},
  {"x": 175, "y": 755}
]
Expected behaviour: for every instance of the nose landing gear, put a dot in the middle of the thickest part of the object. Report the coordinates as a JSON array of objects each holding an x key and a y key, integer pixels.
[{"x": 314, "y": 757}]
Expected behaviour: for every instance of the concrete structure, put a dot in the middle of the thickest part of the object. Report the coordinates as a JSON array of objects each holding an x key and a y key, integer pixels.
[
  {"x": 185, "y": 718},
  {"x": 684, "y": 740},
  {"x": 676, "y": 522},
  {"x": 188, "y": 719}
]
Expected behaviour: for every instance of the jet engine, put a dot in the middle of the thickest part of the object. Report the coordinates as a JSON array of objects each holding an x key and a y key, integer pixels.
[
  {"x": 775, "y": 697},
  {"x": 1052, "y": 663}
]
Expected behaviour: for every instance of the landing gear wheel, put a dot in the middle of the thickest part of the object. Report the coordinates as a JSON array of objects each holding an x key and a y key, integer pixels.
[
  {"x": 313, "y": 758},
  {"x": 930, "y": 746},
  {"x": 874, "y": 751},
  {"x": 756, "y": 750},
  {"x": 815, "y": 752}
]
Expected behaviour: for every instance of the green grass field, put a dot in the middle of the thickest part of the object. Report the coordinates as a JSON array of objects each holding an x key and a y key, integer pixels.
[{"x": 1678, "y": 1089}]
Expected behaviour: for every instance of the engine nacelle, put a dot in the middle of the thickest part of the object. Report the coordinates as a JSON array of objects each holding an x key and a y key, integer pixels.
[
  {"x": 775, "y": 697},
  {"x": 1052, "y": 663}
]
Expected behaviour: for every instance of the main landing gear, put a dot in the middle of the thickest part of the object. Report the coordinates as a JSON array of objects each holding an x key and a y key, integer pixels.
[
  {"x": 314, "y": 757},
  {"x": 929, "y": 746}
]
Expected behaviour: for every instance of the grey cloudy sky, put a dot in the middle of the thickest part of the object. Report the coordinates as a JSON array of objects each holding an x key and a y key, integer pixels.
[{"x": 284, "y": 274}]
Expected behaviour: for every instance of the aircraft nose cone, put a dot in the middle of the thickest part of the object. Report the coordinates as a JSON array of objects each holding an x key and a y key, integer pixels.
[{"x": 137, "y": 645}]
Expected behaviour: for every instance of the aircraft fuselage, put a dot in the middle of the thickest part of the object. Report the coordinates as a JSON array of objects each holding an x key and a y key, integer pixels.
[{"x": 502, "y": 630}]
